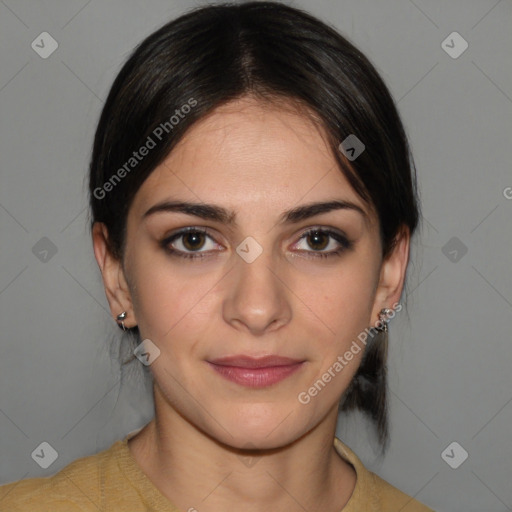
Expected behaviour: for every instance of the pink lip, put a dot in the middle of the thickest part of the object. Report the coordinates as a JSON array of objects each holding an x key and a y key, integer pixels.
[{"x": 255, "y": 372}]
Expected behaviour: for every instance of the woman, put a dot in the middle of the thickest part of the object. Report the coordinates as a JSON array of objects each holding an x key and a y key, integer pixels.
[{"x": 252, "y": 203}]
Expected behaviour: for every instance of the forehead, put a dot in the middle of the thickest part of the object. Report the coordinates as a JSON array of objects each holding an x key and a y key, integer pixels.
[{"x": 253, "y": 155}]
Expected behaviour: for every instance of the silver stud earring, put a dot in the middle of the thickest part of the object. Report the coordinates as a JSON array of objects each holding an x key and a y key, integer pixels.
[
  {"x": 382, "y": 324},
  {"x": 120, "y": 320}
]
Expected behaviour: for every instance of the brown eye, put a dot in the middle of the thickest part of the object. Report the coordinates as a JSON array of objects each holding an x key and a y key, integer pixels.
[
  {"x": 323, "y": 243},
  {"x": 193, "y": 241},
  {"x": 318, "y": 240}
]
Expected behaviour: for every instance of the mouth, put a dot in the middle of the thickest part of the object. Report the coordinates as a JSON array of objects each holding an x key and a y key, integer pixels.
[{"x": 255, "y": 372}]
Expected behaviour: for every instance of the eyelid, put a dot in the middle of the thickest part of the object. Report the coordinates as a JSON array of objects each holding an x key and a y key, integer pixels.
[
  {"x": 170, "y": 238},
  {"x": 323, "y": 229},
  {"x": 339, "y": 236}
]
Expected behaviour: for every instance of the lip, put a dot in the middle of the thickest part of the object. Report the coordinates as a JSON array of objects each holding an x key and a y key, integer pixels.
[
  {"x": 255, "y": 372},
  {"x": 243, "y": 361}
]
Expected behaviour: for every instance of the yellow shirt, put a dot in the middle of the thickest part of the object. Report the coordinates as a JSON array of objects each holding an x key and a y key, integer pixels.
[{"x": 112, "y": 481}]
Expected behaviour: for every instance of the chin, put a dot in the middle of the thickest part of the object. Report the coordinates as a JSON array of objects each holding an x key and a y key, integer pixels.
[
  {"x": 260, "y": 441},
  {"x": 260, "y": 426}
]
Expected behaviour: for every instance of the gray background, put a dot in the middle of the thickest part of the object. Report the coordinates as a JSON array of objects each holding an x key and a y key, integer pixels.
[{"x": 450, "y": 353}]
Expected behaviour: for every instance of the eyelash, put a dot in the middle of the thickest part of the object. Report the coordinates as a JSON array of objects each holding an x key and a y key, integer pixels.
[{"x": 345, "y": 244}]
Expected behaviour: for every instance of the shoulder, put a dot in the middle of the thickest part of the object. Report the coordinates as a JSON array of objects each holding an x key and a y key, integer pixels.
[
  {"x": 392, "y": 499},
  {"x": 75, "y": 488},
  {"x": 372, "y": 493}
]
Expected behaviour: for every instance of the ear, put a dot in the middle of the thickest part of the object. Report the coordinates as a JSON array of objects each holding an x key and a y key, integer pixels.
[
  {"x": 114, "y": 281},
  {"x": 392, "y": 274}
]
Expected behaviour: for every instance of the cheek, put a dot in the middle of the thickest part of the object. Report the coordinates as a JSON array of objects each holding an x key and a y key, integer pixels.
[
  {"x": 341, "y": 307},
  {"x": 340, "y": 301},
  {"x": 167, "y": 301}
]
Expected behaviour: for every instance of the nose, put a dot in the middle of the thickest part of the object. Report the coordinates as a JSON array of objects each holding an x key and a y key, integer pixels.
[{"x": 257, "y": 297}]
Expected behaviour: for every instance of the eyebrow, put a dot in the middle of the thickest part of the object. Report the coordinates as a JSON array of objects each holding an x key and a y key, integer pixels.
[{"x": 224, "y": 216}]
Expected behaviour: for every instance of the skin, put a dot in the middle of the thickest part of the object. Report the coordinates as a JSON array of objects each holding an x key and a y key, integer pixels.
[{"x": 255, "y": 160}]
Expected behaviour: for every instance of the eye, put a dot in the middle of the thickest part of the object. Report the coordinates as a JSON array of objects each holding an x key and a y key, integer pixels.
[
  {"x": 191, "y": 242},
  {"x": 323, "y": 242},
  {"x": 195, "y": 242}
]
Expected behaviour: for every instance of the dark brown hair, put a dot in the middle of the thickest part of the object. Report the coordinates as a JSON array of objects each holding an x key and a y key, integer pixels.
[{"x": 216, "y": 54}]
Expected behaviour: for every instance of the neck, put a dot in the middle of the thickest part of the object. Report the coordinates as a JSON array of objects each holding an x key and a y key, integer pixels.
[{"x": 195, "y": 471}]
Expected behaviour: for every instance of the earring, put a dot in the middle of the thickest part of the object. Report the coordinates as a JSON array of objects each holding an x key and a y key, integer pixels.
[
  {"x": 120, "y": 320},
  {"x": 382, "y": 323}
]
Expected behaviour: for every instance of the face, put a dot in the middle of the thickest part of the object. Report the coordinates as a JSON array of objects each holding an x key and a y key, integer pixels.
[{"x": 249, "y": 242}]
